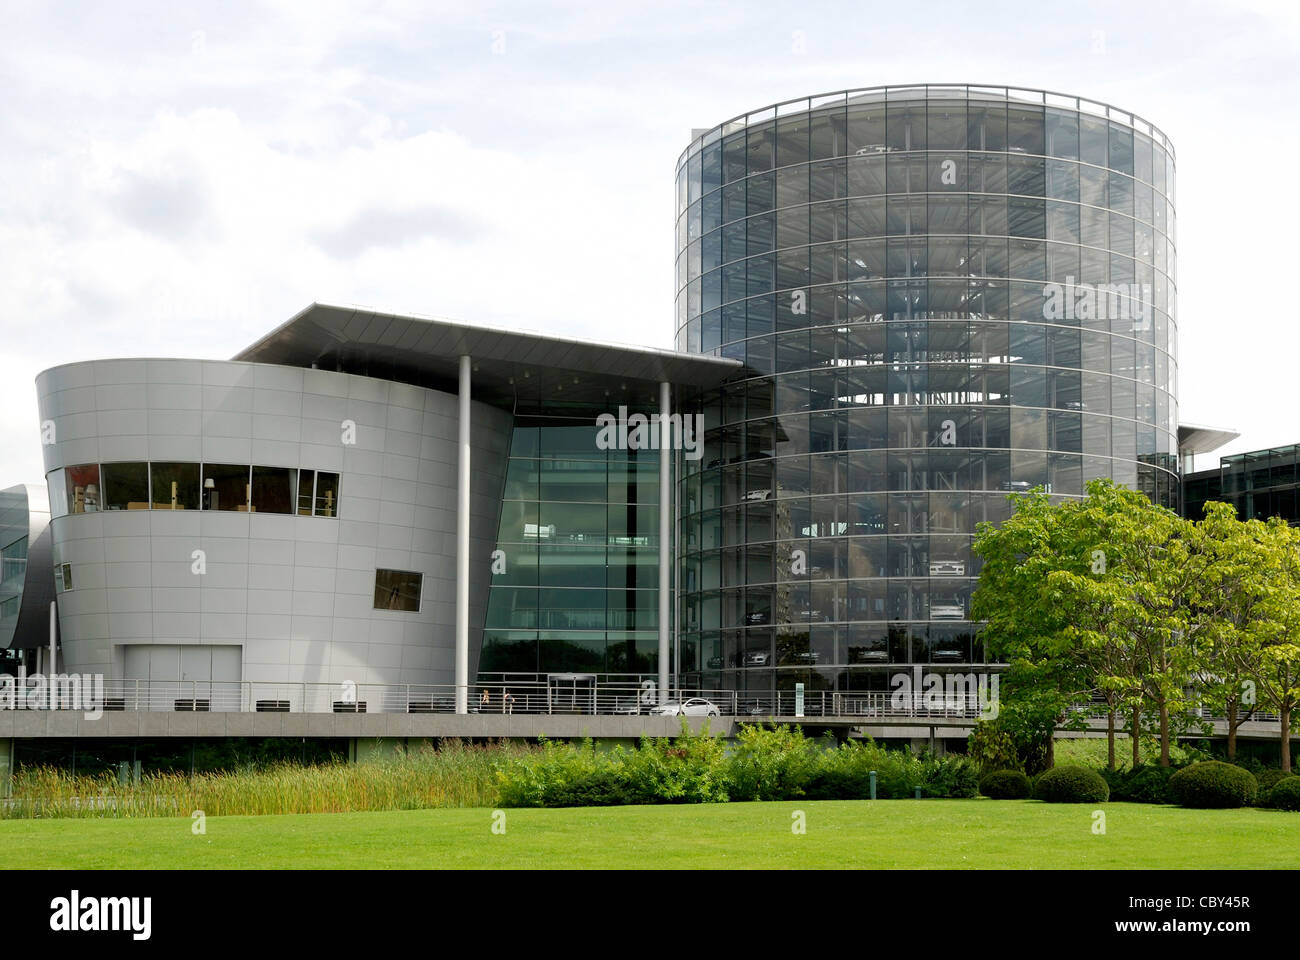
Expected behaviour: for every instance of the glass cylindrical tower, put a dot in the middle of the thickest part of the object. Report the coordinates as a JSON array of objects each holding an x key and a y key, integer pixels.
[{"x": 943, "y": 295}]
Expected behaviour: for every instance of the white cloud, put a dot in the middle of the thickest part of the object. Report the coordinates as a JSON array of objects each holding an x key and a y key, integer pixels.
[{"x": 179, "y": 181}]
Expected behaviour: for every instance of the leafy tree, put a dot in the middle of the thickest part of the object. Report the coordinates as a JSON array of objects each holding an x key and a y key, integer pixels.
[
  {"x": 992, "y": 747},
  {"x": 1025, "y": 622},
  {"x": 1234, "y": 561},
  {"x": 1096, "y": 596},
  {"x": 1276, "y": 669}
]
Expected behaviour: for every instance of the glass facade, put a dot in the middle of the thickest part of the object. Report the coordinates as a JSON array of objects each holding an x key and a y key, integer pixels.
[
  {"x": 942, "y": 295},
  {"x": 575, "y": 572},
  {"x": 1260, "y": 484}
]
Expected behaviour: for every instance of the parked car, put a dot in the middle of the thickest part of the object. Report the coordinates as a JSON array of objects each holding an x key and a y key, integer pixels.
[
  {"x": 757, "y": 658},
  {"x": 869, "y": 653},
  {"x": 694, "y": 707},
  {"x": 947, "y": 568}
]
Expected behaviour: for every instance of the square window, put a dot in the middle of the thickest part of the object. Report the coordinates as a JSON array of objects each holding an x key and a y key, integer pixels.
[{"x": 398, "y": 590}]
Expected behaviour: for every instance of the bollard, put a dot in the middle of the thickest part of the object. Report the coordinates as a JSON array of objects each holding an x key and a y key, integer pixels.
[{"x": 873, "y": 784}]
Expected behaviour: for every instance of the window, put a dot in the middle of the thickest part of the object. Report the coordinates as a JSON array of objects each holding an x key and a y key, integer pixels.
[
  {"x": 57, "y": 483},
  {"x": 63, "y": 575},
  {"x": 225, "y": 487},
  {"x": 319, "y": 488},
  {"x": 91, "y": 487},
  {"x": 126, "y": 486},
  {"x": 327, "y": 494},
  {"x": 13, "y": 560},
  {"x": 9, "y": 608},
  {"x": 83, "y": 488},
  {"x": 175, "y": 486},
  {"x": 398, "y": 590},
  {"x": 273, "y": 490}
]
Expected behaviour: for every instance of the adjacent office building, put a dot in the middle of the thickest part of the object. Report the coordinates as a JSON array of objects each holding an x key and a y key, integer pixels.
[
  {"x": 894, "y": 307},
  {"x": 1260, "y": 484}
]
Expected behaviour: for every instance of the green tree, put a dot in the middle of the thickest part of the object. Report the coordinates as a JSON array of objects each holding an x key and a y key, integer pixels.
[
  {"x": 1234, "y": 561},
  {"x": 1276, "y": 669},
  {"x": 1025, "y": 622},
  {"x": 1096, "y": 596}
]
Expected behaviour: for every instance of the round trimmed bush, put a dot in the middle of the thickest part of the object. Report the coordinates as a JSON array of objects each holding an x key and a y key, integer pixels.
[
  {"x": 1285, "y": 794},
  {"x": 1071, "y": 784},
  {"x": 1212, "y": 785},
  {"x": 1006, "y": 785},
  {"x": 1267, "y": 780}
]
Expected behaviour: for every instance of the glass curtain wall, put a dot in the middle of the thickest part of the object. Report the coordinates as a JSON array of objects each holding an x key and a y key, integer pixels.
[
  {"x": 943, "y": 296},
  {"x": 575, "y": 574}
]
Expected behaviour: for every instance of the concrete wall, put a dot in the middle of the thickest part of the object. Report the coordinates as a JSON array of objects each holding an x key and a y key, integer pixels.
[{"x": 294, "y": 593}]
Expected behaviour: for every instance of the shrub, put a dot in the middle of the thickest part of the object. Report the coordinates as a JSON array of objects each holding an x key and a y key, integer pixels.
[
  {"x": 557, "y": 775},
  {"x": 992, "y": 747},
  {"x": 686, "y": 769},
  {"x": 1006, "y": 785},
  {"x": 771, "y": 763},
  {"x": 1269, "y": 778},
  {"x": 1142, "y": 784},
  {"x": 1212, "y": 785},
  {"x": 1070, "y": 784},
  {"x": 1285, "y": 794},
  {"x": 845, "y": 773},
  {"x": 953, "y": 776}
]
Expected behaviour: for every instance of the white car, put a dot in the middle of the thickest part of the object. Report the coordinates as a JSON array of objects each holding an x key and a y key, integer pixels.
[{"x": 695, "y": 707}]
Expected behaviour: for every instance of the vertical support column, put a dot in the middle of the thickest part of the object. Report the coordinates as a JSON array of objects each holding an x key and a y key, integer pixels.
[
  {"x": 6, "y": 766},
  {"x": 54, "y": 646},
  {"x": 665, "y": 533},
  {"x": 462, "y": 544}
]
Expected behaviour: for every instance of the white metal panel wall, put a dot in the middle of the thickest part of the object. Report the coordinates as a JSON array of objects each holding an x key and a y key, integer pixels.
[{"x": 296, "y": 593}]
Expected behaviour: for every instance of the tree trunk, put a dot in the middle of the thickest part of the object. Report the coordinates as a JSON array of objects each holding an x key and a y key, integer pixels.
[
  {"x": 1232, "y": 731},
  {"x": 1110, "y": 740},
  {"x": 1164, "y": 733},
  {"x": 1137, "y": 729},
  {"x": 1286, "y": 738}
]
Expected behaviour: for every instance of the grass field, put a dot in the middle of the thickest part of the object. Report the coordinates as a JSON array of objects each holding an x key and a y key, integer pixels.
[{"x": 840, "y": 834}]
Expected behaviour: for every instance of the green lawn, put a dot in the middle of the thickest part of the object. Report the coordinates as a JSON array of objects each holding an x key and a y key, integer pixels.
[{"x": 857, "y": 834}]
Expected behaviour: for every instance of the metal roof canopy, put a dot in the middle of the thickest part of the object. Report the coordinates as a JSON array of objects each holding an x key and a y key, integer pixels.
[
  {"x": 1194, "y": 438},
  {"x": 509, "y": 365}
]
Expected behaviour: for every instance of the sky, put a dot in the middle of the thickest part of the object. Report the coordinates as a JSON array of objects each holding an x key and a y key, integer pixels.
[{"x": 178, "y": 179}]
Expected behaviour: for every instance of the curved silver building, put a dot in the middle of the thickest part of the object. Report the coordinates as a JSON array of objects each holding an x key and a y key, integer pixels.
[
  {"x": 26, "y": 573},
  {"x": 359, "y": 498},
  {"x": 229, "y": 521},
  {"x": 942, "y": 295}
]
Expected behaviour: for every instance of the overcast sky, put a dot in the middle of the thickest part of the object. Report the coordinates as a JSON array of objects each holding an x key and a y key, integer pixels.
[{"x": 177, "y": 179}]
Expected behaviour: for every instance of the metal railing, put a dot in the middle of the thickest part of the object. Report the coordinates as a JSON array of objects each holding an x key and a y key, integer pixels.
[
  {"x": 586, "y": 695},
  {"x": 590, "y": 696}
]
